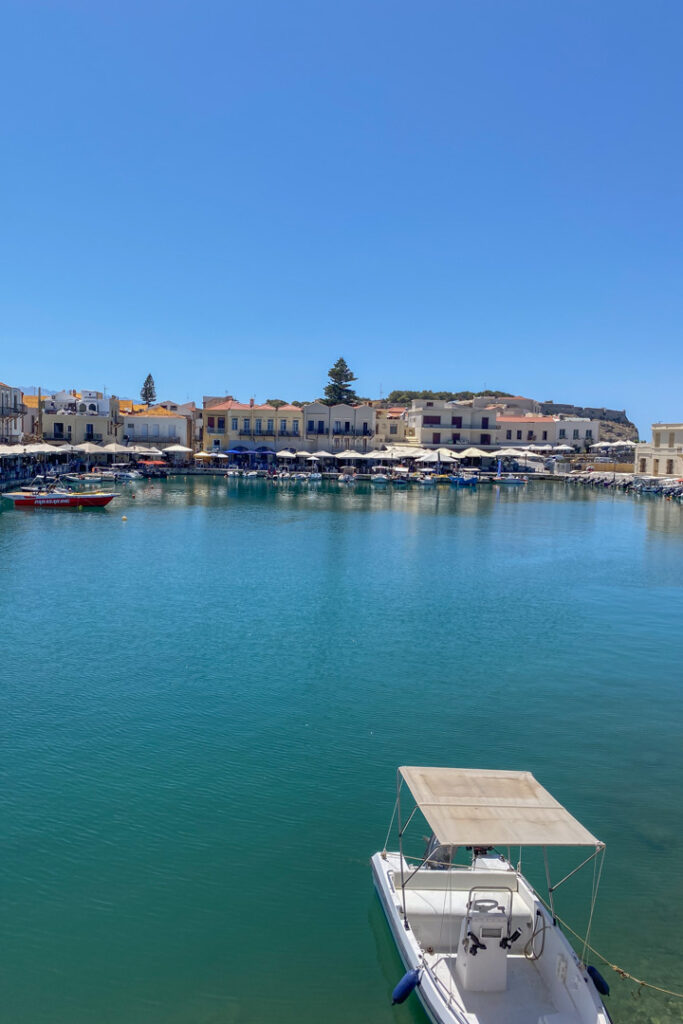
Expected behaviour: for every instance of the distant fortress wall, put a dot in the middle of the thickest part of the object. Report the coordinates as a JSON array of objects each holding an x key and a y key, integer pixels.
[{"x": 613, "y": 415}]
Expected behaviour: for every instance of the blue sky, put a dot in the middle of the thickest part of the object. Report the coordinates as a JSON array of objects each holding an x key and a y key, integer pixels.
[{"x": 449, "y": 194}]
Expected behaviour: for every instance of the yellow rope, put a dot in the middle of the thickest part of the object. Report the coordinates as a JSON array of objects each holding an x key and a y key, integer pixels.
[{"x": 619, "y": 970}]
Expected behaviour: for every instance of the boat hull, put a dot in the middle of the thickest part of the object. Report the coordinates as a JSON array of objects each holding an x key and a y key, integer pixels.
[
  {"x": 60, "y": 500},
  {"x": 571, "y": 999}
]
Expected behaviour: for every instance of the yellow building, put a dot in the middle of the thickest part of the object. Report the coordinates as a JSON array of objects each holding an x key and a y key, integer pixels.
[
  {"x": 390, "y": 425},
  {"x": 234, "y": 425},
  {"x": 663, "y": 456}
]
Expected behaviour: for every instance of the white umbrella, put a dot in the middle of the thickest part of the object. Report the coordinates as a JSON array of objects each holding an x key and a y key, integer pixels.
[
  {"x": 7, "y": 450},
  {"x": 507, "y": 453},
  {"x": 219, "y": 455},
  {"x": 312, "y": 458},
  {"x": 286, "y": 455},
  {"x": 474, "y": 453},
  {"x": 323, "y": 455},
  {"x": 203, "y": 455},
  {"x": 350, "y": 455},
  {"x": 565, "y": 448},
  {"x": 175, "y": 449}
]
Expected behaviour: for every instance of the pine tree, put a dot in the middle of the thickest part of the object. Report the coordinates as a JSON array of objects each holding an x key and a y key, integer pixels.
[
  {"x": 148, "y": 392},
  {"x": 339, "y": 388}
]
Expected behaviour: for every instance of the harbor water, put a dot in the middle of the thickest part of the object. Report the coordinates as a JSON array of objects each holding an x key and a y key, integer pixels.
[{"x": 204, "y": 705}]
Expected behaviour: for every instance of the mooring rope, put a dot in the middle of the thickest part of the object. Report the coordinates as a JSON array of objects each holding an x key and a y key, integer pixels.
[{"x": 620, "y": 970}]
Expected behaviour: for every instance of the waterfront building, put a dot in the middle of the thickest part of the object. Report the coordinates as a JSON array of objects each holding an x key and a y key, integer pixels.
[
  {"x": 336, "y": 427},
  {"x": 75, "y": 417},
  {"x": 231, "y": 425},
  {"x": 578, "y": 431},
  {"x": 390, "y": 425},
  {"x": 663, "y": 455},
  {"x": 12, "y": 410},
  {"x": 157, "y": 426},
  {"x": 433, "y": 423}
]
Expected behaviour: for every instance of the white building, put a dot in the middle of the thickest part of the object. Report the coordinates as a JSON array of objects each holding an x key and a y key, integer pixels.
[
  {"x": 11, "y": 412},
  {"x": 433, "y": 423},
  {"x": 336, "y": 427},
  {"x": 520, "y": 429},
  {"x": 663, "y": 455}
]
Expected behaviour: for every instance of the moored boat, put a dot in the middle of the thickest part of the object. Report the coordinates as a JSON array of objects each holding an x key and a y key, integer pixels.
[
  {"x": 57, "y": 498},
  {"x": 479, "y": 944}
]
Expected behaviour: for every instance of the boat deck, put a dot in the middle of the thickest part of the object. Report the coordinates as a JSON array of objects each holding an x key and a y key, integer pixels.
[{"x": 525, "y": 1001}]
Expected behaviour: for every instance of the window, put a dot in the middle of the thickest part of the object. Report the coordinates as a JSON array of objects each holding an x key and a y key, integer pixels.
[
  {"x": 436, "y": 438},
  {"x": 321, "y": 426},
  {"x": 456, "y": 421},
  {"x": 456, "y": 438},
  {"x": 271, "y": 424},
  {"x": 59, "y": 430},
  {"x": 589, "y": 432},
  {"x": 283, "y": 426},
  {"x": 311, "y": 426},
  {"x": 347, "y": 426},
  {"x": 485, "y": 439},
  {"x": 245, "y": 425},
  {"x": 670, "y": 465},
  {"x": 529, "y": 435},
  {"x": 655, "y": 467},
  {"x": 366, "y": 428},
  {"x": 257, "y": 425},
  {"x": 212, "y": 421},
  {"x": 508, "y": 435},
  {"x": 575, "y": 435},
  {"x": 221, "y": 422},
  {"x": 337, "y": 426},
  {"x": 155, "y": 430},
  {"x": 544, "y": 435},
  {"x": 432, "y": 421},
  {"x": 429, "y": 404},
  {"x": 235, "y": 424},
  {"x": 671, "y": 440},
  {"x": 655, "y": 439},
  {"x": 295, "y": 427},
  {"x": 89, "y": 430},
  {"x": 641, "y": 468},
  {"x": 393, "y": 429},
  {"x": 484, "y": 422},
  {"x": 519, "y": 435},
  {"x": 563, "y": 432}
]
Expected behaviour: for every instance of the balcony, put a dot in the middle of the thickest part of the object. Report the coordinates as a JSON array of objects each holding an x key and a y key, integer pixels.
[
  {"x": 91, "y": 437},
  {"x": 318, "y": 432},
  {"x": 353, "y": 432},
  {"x": 8, "y": 412},
  {"x": 216, "y": 430},
  {"x": 257, "y": 433},
  {"x": 288, "y": 433}
]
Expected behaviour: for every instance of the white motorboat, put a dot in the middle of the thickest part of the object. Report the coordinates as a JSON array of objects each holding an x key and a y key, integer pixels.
[{"x": 479, "y": 944}]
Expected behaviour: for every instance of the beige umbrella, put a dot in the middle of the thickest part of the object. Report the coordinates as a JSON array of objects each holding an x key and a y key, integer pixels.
[
  {"x": 114, "y": 448},
  {"x": 286, "y": 455},
  {"x": 176, "y": 449},
  {"x": 323, "y": 455},
  {"x": 350, "y": 455},
  {"x": 203, "y": 455},
  {"x": 88, "y": 448}
]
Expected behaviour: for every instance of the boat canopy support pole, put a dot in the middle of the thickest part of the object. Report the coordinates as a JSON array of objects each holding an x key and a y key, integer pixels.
[
  {"x": 401, "y": 830},
  {"x": 547, "y": 879},
  {"x": 583, "y": 863}
]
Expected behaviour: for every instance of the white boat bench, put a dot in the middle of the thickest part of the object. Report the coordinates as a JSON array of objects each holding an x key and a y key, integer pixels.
[{"x": 436, "y": 903}]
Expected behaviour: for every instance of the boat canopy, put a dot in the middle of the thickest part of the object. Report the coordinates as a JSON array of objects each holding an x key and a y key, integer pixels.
[{"x": 472, "y": 807}]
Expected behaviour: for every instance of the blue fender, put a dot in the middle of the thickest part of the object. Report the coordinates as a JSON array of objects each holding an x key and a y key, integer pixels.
[
  {"x": 598, "y": 980},
  {"x": 405, "y": 986}
]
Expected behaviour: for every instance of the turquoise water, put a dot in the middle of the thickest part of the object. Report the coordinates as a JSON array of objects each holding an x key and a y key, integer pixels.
[{"x": 203, "y": 708}]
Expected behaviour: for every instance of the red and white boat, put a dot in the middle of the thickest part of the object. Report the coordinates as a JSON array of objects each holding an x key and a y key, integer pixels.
[{"x": 59, "y": 499}]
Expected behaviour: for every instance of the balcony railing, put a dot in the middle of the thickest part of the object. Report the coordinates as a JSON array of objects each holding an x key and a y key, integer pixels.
[
  {"x": 317, "y": 432},
  {"x": 353, "y": 432},
  {"x": 10, "y": 411}
]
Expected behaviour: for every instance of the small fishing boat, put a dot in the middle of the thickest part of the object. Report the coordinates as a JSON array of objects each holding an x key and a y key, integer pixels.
[
  {"x": 58, "y": 498},
  {"x": 514, "y": 481},
  {"x": 479, "y": 944},
  {"x": 458, "y": 480}
]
